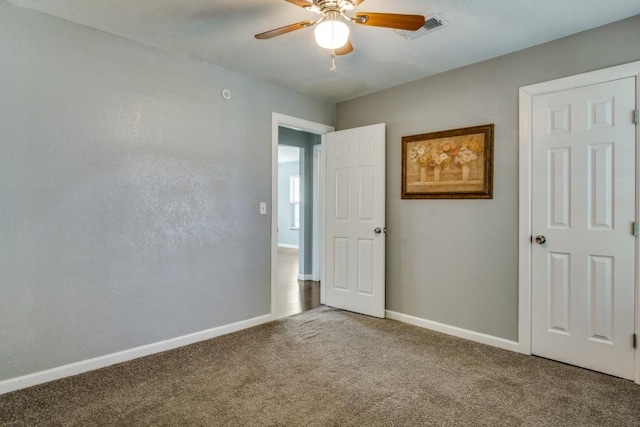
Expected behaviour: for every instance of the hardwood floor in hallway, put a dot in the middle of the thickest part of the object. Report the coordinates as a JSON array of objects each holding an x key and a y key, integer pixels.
[{"x": 294, "y": 296}]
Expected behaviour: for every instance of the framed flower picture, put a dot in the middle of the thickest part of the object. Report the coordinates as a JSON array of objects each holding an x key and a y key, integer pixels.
[{"x": 451, "y": 164}]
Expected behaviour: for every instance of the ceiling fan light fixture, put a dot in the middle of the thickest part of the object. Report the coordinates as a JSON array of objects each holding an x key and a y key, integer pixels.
[{"x": 331, "y": 34}]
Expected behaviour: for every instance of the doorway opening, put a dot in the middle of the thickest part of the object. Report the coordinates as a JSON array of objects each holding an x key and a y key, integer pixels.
[
  {"x": 297, "y": 211},
  {"x": 298, "y": 286}
]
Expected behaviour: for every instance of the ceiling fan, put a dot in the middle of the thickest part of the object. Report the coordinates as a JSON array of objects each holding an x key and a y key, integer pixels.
[{"x": 330, "y": 30}]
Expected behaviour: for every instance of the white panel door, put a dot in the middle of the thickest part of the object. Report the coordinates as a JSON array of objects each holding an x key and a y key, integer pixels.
[
  {"x": 355, "y": 216},
  {"x": 583, "y": 256}
]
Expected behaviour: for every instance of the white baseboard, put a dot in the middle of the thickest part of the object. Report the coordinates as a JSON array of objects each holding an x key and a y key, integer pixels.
[
  {"x": 305, "y": 276},
  {"x": 284, "y": 245},
  {"x": 455, "y": 331},
  {"x": 76, "y": 368}
]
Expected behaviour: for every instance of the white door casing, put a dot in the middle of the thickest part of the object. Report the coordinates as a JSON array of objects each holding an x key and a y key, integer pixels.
[
  {"x": 583, "y": 158},
  {"x": 317, "y": 224},
  {"x": 281, "y": 120},
  {"x": 355, "y": 220},
  {"x": 525, "y": 246}
]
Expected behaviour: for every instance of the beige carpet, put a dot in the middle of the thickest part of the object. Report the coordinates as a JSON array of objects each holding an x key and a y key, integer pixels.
[{"x": 327, "y": 367}]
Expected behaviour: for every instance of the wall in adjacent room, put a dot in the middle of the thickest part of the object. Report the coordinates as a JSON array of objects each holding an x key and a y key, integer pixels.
[
  {"x": 456, "y": 261},
  {"x": 129, "y": 193}
]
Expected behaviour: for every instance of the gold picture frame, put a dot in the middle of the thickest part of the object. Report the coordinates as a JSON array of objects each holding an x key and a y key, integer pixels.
[{"x": 451, "y": 164}]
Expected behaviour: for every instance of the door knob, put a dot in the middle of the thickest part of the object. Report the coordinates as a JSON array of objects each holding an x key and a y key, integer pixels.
[
  {"x": 377, "y": 230},
  {"x": 540, "y": 239}
]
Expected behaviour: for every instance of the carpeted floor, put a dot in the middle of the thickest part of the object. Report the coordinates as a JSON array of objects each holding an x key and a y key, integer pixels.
[{"x": 327, "y": 367}]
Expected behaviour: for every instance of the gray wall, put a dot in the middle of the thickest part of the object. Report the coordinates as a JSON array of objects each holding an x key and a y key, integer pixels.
[
  {"x": 129, "y": 193},
  {"x": 286, "y": 235},
  {"x": 455, "y": 261}
]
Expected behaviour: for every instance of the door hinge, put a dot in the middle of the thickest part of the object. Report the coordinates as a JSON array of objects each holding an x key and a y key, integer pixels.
[
  {"x": 634, "y": 228},
  {"x": 636, "y": 117},
  {"x": 634, "y": 339}
]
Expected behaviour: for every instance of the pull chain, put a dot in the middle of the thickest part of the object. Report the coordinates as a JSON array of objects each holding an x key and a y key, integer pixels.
[{"x": 333, "y": 60}]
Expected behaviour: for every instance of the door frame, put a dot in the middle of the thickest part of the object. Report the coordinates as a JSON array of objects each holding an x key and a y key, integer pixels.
[
  {"x": 281, "y": 120},
  {"x": 316, "y": 250},
  {"x": 525, "y": 194}
]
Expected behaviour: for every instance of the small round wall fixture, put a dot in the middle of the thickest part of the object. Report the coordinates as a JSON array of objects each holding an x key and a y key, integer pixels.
[{"x": 226, "y": 94}]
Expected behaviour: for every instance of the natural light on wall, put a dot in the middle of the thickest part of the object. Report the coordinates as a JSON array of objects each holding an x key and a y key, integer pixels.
[{"x": 294, "y": 200}]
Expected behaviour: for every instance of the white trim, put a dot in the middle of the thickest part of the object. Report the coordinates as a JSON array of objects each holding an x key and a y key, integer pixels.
[
  {"x": 585, "y": 79},
  {"x": 284, "y": 245},
  {"x": 524, "y": 229},
  {"x": 76, "y": 368},
  {"x": 304, "y": 277},
  {"x": 323, "y": 221},
  {"x": 278, "y": 120},
  {"x": 455, "y": 331},
  {"x": 316, "y": 229}
]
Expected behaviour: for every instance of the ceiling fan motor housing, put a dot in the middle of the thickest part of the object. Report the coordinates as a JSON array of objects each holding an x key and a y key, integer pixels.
[{"x": 334, "y": 5}]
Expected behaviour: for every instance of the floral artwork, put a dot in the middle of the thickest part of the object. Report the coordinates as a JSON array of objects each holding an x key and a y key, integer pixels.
[{"x": 449, "y": 164}]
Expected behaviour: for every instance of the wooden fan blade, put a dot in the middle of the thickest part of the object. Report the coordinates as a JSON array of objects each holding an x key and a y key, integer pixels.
[
  {"x": 356, "y": 2},
  {"x": 301, "y": 3},
  {"x": 347, "y": 48},
  {"x": 390, "y": 20},
  {"x": 284, "y": 30}
]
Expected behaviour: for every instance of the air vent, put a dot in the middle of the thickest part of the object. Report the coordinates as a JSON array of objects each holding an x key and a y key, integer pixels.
[{"x": 433, "y": 23}]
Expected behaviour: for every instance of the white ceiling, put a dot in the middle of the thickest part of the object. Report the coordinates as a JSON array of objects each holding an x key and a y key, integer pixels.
[{"x": 221, "y": 32}]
